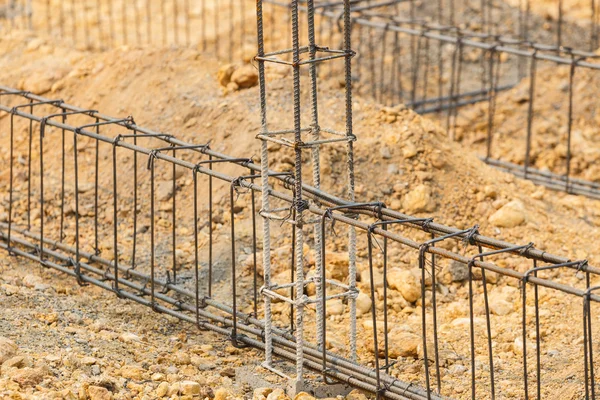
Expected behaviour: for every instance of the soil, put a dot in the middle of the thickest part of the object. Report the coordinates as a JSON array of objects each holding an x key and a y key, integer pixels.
[{"x": 80, "y": 337}]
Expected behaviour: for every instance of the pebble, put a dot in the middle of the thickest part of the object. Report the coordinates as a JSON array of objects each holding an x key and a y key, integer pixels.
[
  {"x": 129, "y": 337},
  {"x": 28, "y": 376},
  {"x": 206, "y": 392},
  {"x": 303, "y": 396},
  {"x": 405, "y": 282},
  {"x": 356, "y": 394},
  {"x": 31, "y": 281},
  {"x": 336, "y": 265},
  {"x": 132, "y": 372},
  {"x": 278, "y": 394},
  {"x": 553, "y": 353},
  {"x": 88, "y": 361},
  {"x": 409, "y": 150},
  {"x": 222, "y": 394},
  {"x": 229, "y": 372},
  {"x": 158, "y": 377},
  {"x": 363, "y": 303},
  {"x": 182, "y": 358},
  {"x": 172, "y": 370},
  {"x": 245, "y": 77},
  {"x": 173, "y": 388},
  {"x": 15, "y": 362},
  {"x": 403, "y": 344},
  {"x": 385, "y": 152},
  {"x": 456, "y": 271},
  {"x": 261, "y": 393},
  {"x": 509, "y": 215},
  {"x": 418, "y": 200},
  {"x": 500, "y": 306},
  {"x": 99, "y": 393},
  {"x": 334, "y": 307},
  {"x": 164, "y": 190},
  {"x": 365, "y": 278},
  {"x": 162, "y": 389},
  {"x": 224, "y": 74},
  {"x": 457, "y": 369},
  {"x": 8, "y": 349},
  {"x": 189, "y": 388}
]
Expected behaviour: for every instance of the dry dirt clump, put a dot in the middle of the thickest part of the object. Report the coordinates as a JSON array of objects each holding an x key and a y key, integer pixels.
[{"x": 81, "y": 339}]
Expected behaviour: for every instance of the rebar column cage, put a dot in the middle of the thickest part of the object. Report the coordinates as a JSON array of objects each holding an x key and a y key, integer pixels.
[{"x": 305, "y": 138}]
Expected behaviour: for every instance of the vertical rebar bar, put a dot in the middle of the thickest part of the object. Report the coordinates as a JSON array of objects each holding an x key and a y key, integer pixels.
[
  {"x": 298, "y": 200},
  {"x": 350, "y": 166},
  {"x": 264, "y": 168}
]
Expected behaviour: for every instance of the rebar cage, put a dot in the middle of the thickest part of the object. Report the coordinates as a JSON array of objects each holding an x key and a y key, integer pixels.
[{"x": 103, "y": 231}]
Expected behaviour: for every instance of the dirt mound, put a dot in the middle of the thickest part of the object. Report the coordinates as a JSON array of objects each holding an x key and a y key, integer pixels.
[
  {"x": 401, "y": 158},
  {"x": 549, "y": 124}
]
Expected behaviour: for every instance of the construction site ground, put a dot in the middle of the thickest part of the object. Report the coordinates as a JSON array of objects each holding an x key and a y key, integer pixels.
[{"x": 62, "y": 340}]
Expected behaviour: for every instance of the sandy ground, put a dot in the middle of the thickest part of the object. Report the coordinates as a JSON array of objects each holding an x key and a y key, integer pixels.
[{"x": 71, "y": 338}]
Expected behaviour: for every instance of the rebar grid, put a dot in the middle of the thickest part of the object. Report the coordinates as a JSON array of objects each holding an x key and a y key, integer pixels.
[
  {"x": 420, "y": 73},
  {"x": 148, "y": 280},
  {"x": 409, "y": 68}
]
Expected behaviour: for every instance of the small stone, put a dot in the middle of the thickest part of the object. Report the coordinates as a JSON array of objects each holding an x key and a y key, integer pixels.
[
  {"x": 500, "y": 306},
  {"x": 88, "y": 361},
  {"x": 15, "y": 362},
  {"x": 356, "y": 394},
  {"x": 129, "y": 337},
  {"x": 337, "y": 265},
  {"x": 8, "y": 349},
  {"x": 158, "y": 377},
  {"x": 245, "y": 77},
  {"x": 189, "y": 388},
  {"x": 278, "y": 394},
  {"x": 430, "y": 351},
  {"x": 172, "y": 370},
  {"x": 222, "y": 394},
  {"x": 99, "y": 393},
  {"x": 385, "y": 152},
  {"x": 85, "y": 187},
  {"x": 406, "y": 283},
  {"x": 334, "y": 307},
  {"x": 518, "y": 346},
  {"x": 457, "y": 369},
  {"x": 162, "y": 389},
  {"x": 365, "y": 278},
  {"x": 303, "y": 396},
  {"x": 402, "y": 341},
  {"x": 28, "y": 376},
  {"x": 229, "y": 372},
  {"x": 418, "y": 200},
  {"x": 31, "y": 280},
  {"x": 363, "y": 303},
  {"x": 409, "y": 150},
  {"x": 132, "y": 372},
  {"x": 509, "y": 215},
  {"x": 490, "y": 192},
  {"x": 456, "y": 271},
  {"x": 206, "y": 392},
  {"x": 164, "y": 190},
  {"x": 182, "y": 358},
  {"x": 261, "y": 393},
  {"x": 96, "y": 370},
  {"x": 224, "y": 74}
]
